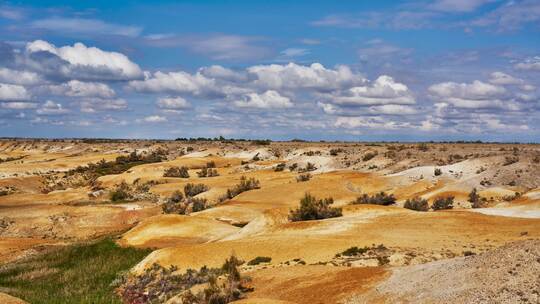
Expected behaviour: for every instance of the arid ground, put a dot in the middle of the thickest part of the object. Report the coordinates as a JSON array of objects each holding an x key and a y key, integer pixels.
[{"x": 484, "y": 247}]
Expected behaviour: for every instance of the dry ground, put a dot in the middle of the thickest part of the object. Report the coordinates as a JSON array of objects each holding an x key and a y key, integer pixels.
[{"x": 255, "y": 223}]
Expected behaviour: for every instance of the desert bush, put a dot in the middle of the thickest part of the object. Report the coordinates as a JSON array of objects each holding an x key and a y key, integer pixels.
[
  {"x": 279, "y": 167},
  {"x": 157, "y": 284},
  {"x": 260, "y": 142},
  {"x": 475, "y": 199},
  {"x": 536, "y": 159},
  {"x": 380, "y": 198},
  {"x": 312, "y": 208},
  {"x": 197, "y": 204},
  {"x": 508, "y": 160},
  {"x": 244, "y": 185},
  {"x": 207, "y": 172},
  {"x": 422, "y": 147},
  {"x": 369, "y": 156},
  {"x": 437, "y": 172},
  {"x": 194, "y": 189},
  {"x": 417, "y": 204},
  {"x": 293, "y": 167},
  {"x": 211, "y": 164},
  {"x": 121, "y": 193},
  {"x": 353, "y": 251},
  {"x": 335, "y": 152},
  {"x": 177, "y": 172},
  {"x": 443, "y": 203},
  {"x": 303, "y": 177},
  {"x": 260, "y": 259},
  {"x": 309, "y": 167}
]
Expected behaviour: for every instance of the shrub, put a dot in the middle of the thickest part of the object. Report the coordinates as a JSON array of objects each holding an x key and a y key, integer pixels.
[
  {"x": 259, "y": 142},
  {"x": 380, "y": 198},
  {"x": 417, "y": 204},
  {"x": 508, "y": 160},
  {"x": 313, "y": 209},
  {"x": 303, "y": 177},
  {"x": 194, "y": 189},
  {"x": 279, "y": 167},
  {"x": 177, "y": 172},
  {"x": 207, "y": 172},
  {"x": 260, "y": 259},
  {"x": 121, "y": 193},
  {"x": 310, "y": 167},
  {"x": 437, "y": 172},
  {"x": 422, "y": 147},
  {"x": 244, "y": 185},
  {"x": 369, "y": 156},
  {"x": 352, "y": 251},
  {"x": 211, "y": 164},
  {"x": 475, "y": 199},
  {"x": 335, "y": 152},
  {"x": 158, "y": 284},
  {"x": 293, "y": 167},
  {"x": 197, "y": 204},
  {"x": 443, "y": 203}
]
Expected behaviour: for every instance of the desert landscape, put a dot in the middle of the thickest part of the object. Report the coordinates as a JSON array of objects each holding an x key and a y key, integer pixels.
[{"x": 259, "y": 221}]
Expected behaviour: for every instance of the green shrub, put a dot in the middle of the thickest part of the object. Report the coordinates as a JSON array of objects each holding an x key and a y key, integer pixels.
[
  {"x": 244, "y": 185},
  {"x": 260, "y": 259},
  {"x": 121, "y": 193},
  {"x": 380, "y": 198},
  {"x": 177, "y": 172},
  {"x": 313, "y": 209},
  {"x": 443, "y": 203},
  {"x": 417, "y": 204},
  {"x": 194, "y": 189}
]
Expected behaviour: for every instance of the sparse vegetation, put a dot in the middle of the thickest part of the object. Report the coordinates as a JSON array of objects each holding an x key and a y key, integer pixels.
[
  {"x": 80, "y": 273},
  {"x": 437, "y": 172},
  {"x": 245, "y": 184},
  {"x": 207, "y": 172},
  {"x": 508, "y": 160},
  {"x": 177, "y": 172},
  {"x": 259, "y": 260},
  {"x": 191, "y": 190},
  {"x": 312, "y": 208},
  {"x": 443, "y": 203},
  {"x": 369, "y": 156},
  {"x": 380, "y": 198},
  {"x": 303, "y": 177},
  {"x": 279, "y": 167},
  {"x": 417, "y": 204},
  {"x": 475, "y": 199},
  {"x": 121, "y": 193},
  {"x": 159, "y": 284}
]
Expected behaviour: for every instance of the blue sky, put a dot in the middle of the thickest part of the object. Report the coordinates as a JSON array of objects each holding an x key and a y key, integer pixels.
[{"x": 344, "y": 70}]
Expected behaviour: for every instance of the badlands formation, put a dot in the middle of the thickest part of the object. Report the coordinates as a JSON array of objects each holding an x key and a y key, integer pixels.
[{"x": 482, "y": 248}]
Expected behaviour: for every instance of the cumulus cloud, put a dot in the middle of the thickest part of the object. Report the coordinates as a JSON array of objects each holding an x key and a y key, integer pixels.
[
  {"x": 51, "y": 108},
  {"x": 383, "y": 91},
  {"x": 19, "y": 77},
  {"x": 80, "y": 62},
  {"x": 500, "y": 78},
  {"x": 173, "y": 103},
  {"x": 177, "y": 82},
  {"x": 85, "y": 26},
  {"x": 475, "y": 94},
  {"x": 11, "y": 92},
  {"x": 17, "y": 105},
  {"x": 93, "y": 105},
  {"x": 266, "y": 100},
  {"x": 76, "y": 88},
  {"x": 369, "y": 122},
  {"x": 458, "y": 5},
  {"x": 529, "y": 64},
  {"x": 154, "y": 119}
]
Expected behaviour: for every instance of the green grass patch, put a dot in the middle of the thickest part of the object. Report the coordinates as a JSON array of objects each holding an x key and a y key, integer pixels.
[{"x": 80, "y": 273}]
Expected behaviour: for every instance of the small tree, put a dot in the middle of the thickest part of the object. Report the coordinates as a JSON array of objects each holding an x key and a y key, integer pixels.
[
  {"x": 312, "y": 208},
  {"x": 443, "y": 203},
  {"x": 475, "y": 199},
  {"x": 417, "y": 204}
]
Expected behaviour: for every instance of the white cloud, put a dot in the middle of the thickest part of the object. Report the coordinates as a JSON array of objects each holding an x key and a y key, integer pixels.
[
  {"x": 174, "y": 103},
  {"x": 154, "y": 118},
  {"x": 368, "y": 122},
  {"x": 18, "y": 105},
  {"x": 76, "y": 88},
  {"x": 86, "y": 62},
  {"x": 529, "y": 64},
  {"x": 476, "y": 90},
  {"x": 294, "y": 52},
  {"x": 86, "y": 26},
  {"x": 383, "y": 91},
  {"x": 19, "y": 77},
  {"x": 51, "y": 108},
  {"x": 178, "y": 82},
  {"x": 266, "y": 100},
  {"x": 511, "y": 16},
  {"x": 501, "y": 78},
  {"x": 92, "y": 105},
  {"x": 11, "y": 92},
  {"x": 458, "y": 5}
]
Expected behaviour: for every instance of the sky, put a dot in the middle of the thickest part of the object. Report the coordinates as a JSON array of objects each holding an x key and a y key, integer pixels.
[{"x": 315, "y": 70}]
